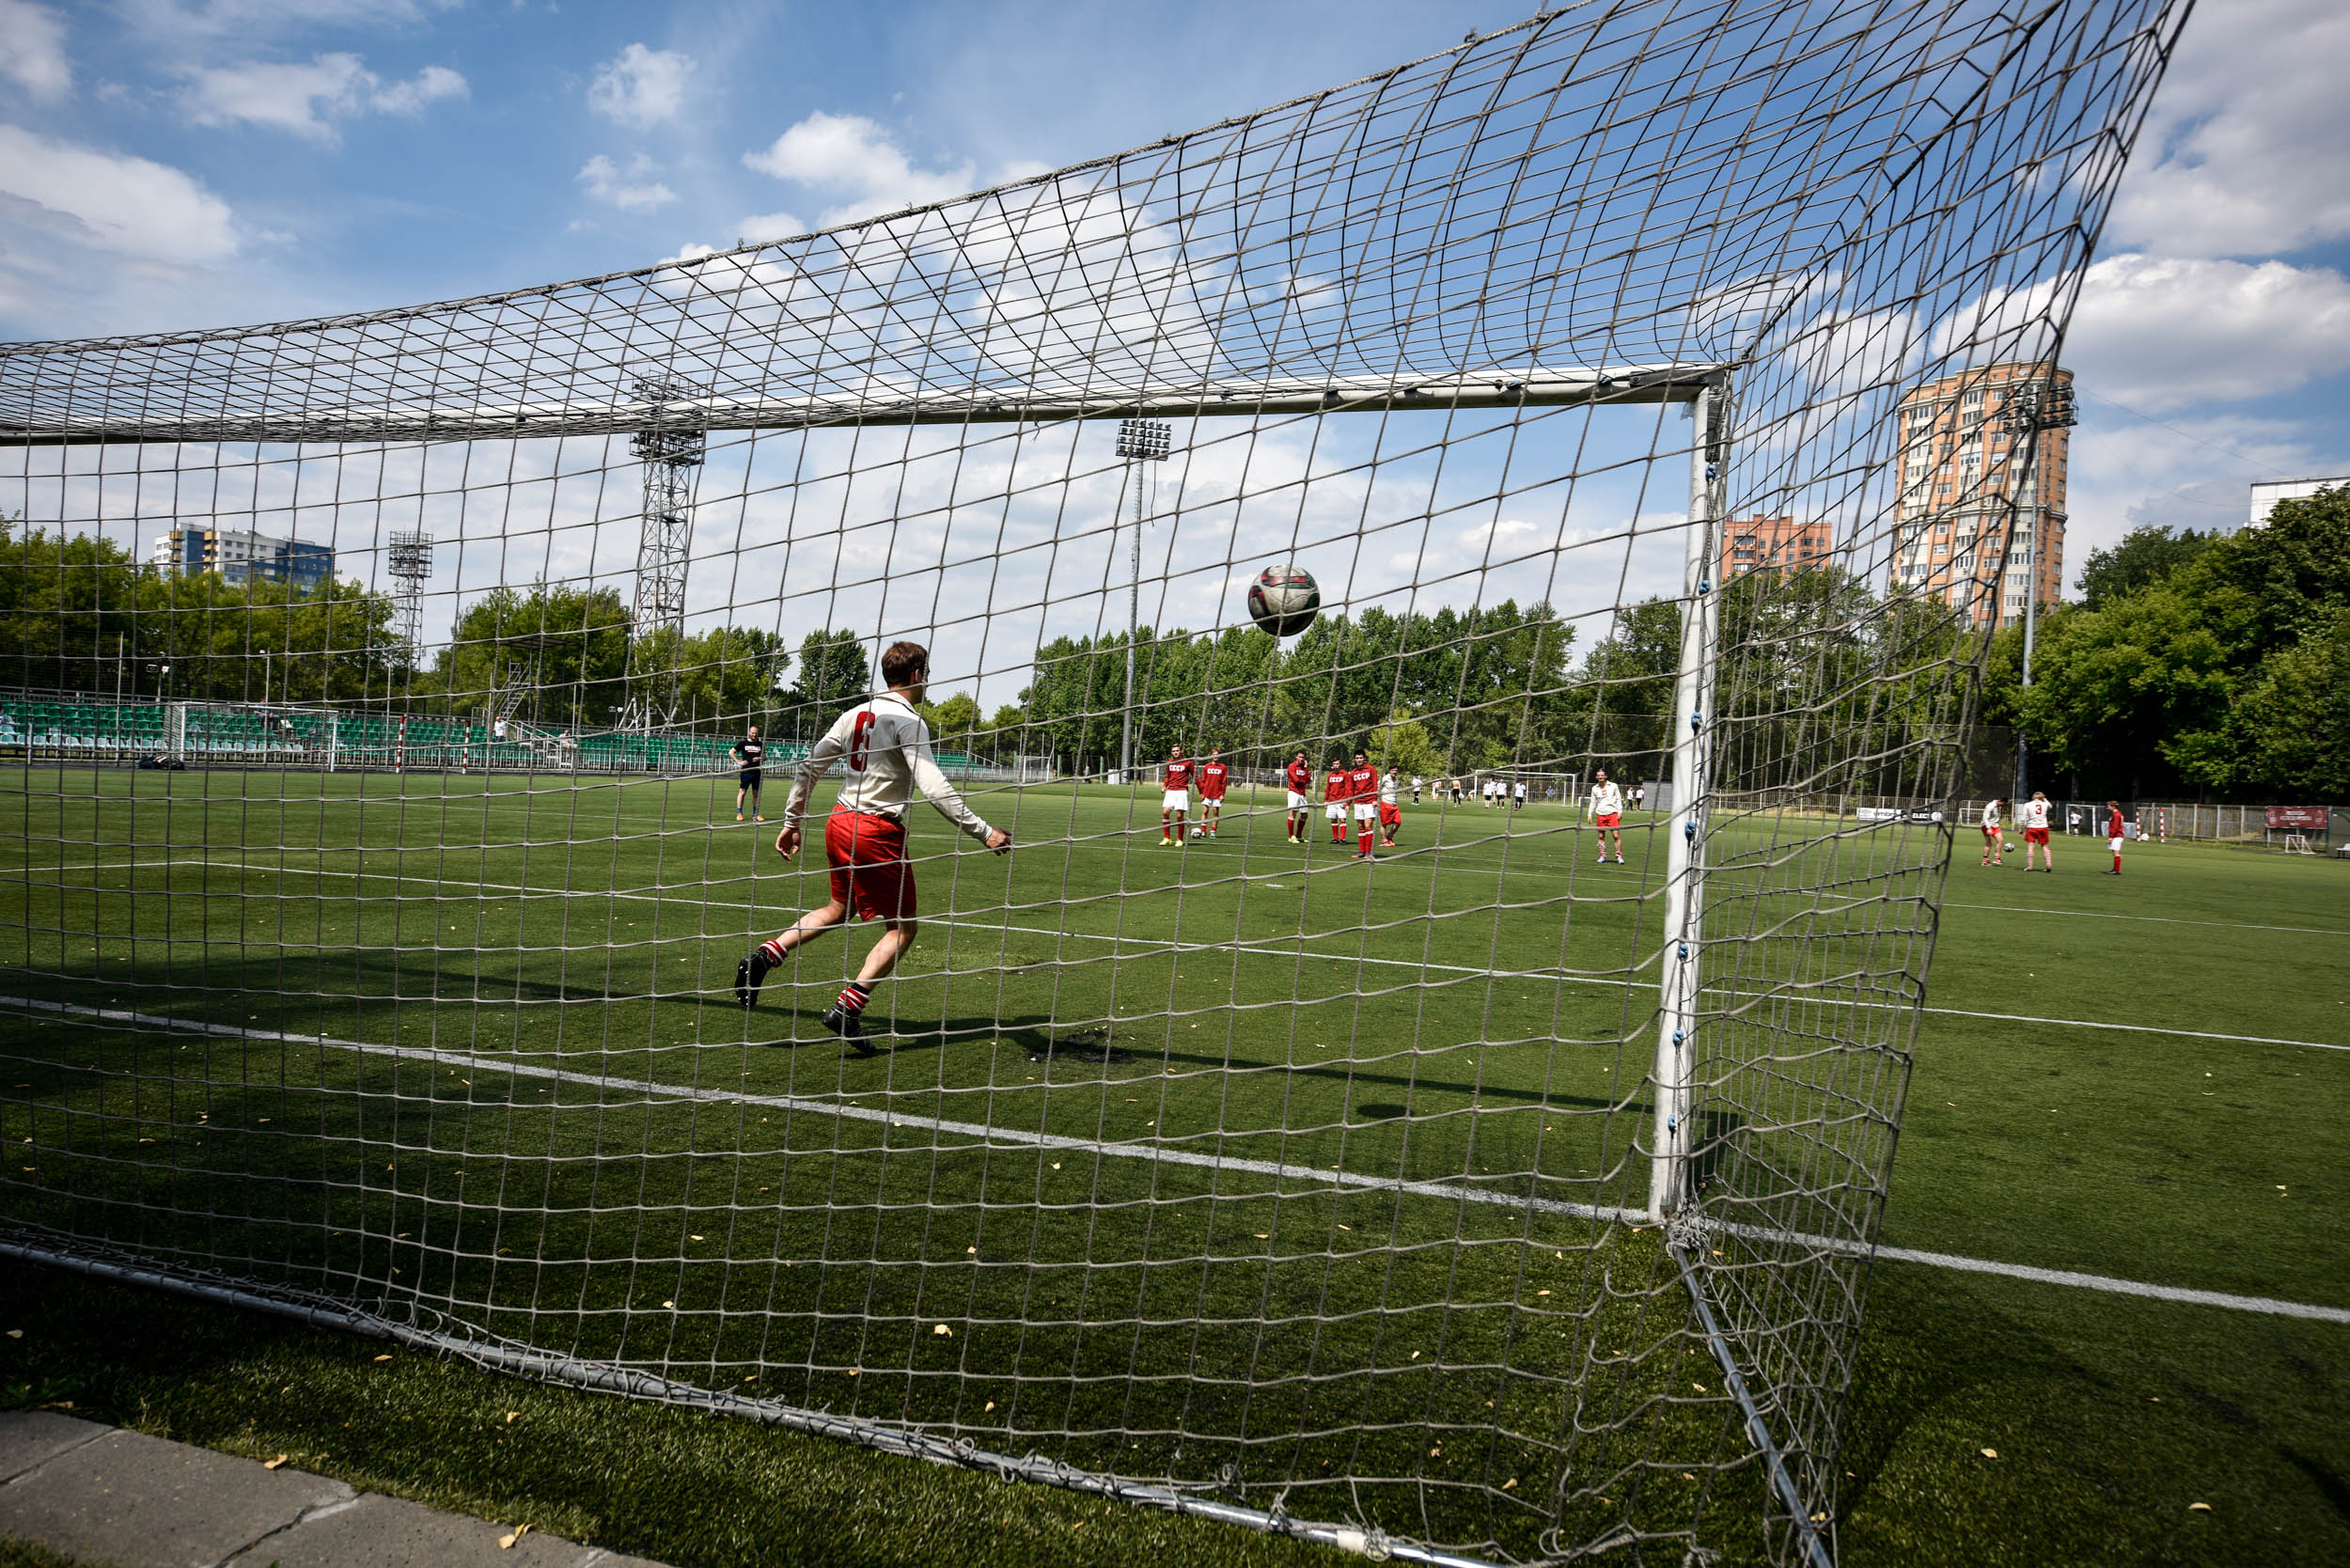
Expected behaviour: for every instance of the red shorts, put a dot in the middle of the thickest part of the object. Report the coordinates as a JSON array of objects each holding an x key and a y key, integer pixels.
[
  {"x": 870, "y": 872},
  {"x": 1612, "y": 819},
  {"x": 1390, "y": 816},
  {"x": 2035, "y": 835}
]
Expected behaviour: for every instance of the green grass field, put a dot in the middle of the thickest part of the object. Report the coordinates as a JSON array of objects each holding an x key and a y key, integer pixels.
[{"x": 1462, "y": 1018}]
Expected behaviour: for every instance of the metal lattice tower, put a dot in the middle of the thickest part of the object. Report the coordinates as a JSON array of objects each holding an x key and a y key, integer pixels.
[
  {"x": 409, "y": 561},
  {"x": 672, "y": 451}
]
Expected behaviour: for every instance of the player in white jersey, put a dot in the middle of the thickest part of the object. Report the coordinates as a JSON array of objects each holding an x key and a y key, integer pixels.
[
  {"x": 1391, "y": 807},
  {"x": 1991, "y": 838},
  {"x": 885, "y": 748},
  {"x": 2034, "y": 815},
  {"x": 1607, "y": 814}
]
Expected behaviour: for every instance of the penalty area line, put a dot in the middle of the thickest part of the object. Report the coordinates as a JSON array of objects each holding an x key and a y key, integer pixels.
[{"x": 985, "y": 1136}]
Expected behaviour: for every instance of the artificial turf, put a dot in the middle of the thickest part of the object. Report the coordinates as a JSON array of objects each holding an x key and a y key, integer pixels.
[{"x": 2037, "y": 1143}]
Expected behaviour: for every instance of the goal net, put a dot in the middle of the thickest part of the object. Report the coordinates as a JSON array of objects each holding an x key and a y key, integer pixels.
[{"x": 1402, "y": 1179}]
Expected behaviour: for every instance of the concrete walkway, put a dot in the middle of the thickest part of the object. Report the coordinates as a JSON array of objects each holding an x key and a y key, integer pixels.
[{"x": 112, "y": 1498}]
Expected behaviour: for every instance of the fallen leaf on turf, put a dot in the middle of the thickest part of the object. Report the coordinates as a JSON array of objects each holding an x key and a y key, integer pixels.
[
  {"x": 506, "y": 1542},
  {"x": 1507, "y": 1484},
  {"x": 1990, "y": 1454},
  {"x": 991, "y": 1405},
  {"x": 16, "y": 1333},
  {"x": 273, "y": 1464},
  {"x": 2198, "y": 1508},
  {"x": 670, "y": 1305},
  {"x": 1262, "y": 1235},
  {"x": 511, "y": 1416},
  {"x": 383, "y": 1358},
  {"x": 944, "y": 1331}
]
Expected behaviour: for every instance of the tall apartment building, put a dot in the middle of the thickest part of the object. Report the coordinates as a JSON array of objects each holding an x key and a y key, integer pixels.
[
  {"x": 1971, "y": 512},
  {"x": 1778, "y": 543},
  {"x": 240, "y": 554}
]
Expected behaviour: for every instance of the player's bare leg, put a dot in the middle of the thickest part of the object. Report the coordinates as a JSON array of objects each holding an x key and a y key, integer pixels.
[{"x": 1211, "y": 815}]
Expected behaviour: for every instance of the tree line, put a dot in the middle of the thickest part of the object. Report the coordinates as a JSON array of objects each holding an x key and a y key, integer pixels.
[{"x": 2195, "y": 664}]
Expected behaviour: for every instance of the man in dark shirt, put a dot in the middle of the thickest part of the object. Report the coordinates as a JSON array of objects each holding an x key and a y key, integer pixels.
[{"x": 749, "y": 752}]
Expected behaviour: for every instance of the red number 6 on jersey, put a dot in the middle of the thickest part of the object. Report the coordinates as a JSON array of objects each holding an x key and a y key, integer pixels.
[{"x": 858, "y": 735}]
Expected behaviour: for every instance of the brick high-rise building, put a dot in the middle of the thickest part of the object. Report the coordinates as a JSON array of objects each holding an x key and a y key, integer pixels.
[
  {"x": 1780, "y": 543},
  {"x": 1970, "y": 514}
]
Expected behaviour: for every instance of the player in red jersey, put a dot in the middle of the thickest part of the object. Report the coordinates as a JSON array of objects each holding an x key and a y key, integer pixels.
[
  {"x": 2114, "y": 835},
  {"x": 1299, "y": 776},
  {"x": 1214, "y": 778},
  {"x": 1175, "y": 803},
  {"x": 1362, "y": 794},
  {"x": 1334, "y": 789}
]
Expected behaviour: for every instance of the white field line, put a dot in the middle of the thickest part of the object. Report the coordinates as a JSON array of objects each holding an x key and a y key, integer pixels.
[
  {"x": 985, "y": 1136},
  {"x": 1266, "y": 948},
  {"x": 2160, "y": 919}
]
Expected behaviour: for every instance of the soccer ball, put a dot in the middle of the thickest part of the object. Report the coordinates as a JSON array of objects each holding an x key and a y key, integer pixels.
[
  {"x": 1283, "y": 600},
  {"x": 1199, "y": 832},
  {"x": 2007, "y": 849}
]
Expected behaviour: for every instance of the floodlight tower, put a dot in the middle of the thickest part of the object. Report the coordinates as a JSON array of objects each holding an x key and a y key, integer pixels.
[
  {"x": 408, "y": 559},
  {"x": 670, "y": 448},
  {"x": 1139, "y": 441},
  {"x": 2032, "y": 407}
]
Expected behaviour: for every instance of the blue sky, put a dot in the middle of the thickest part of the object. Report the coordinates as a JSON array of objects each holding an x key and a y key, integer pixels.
[{"x": 172, "y": 164}]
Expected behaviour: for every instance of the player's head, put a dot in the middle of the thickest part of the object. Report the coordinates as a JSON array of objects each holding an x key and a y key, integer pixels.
[
  {"x": 906, "y": 668},
  {"x": 1599, "y": 777},
  {"x": 1216, "y": 754},
  {"x": 1176, "y": 751},
  {"x": 753, "y": 731},
  {"x": 1362, "y": 759},
  {"x": 1301, "y": 757},
  {"x": 2113, "y": 805},
  {"x": 2040, "y": 794}
]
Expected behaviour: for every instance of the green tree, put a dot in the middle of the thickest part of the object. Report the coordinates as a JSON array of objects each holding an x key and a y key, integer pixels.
[
  {"x": 728, "y": 677},
  {"x": 2144, "y": 557},
  {"x": 833, "y": 673},
  {"x": 569, "y": 645}
]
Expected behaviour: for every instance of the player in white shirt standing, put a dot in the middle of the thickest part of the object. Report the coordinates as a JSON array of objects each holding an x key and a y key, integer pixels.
[
  {"x": 1607, "y": 814},
  {"x": 886, "y": 747},
  {"x": 1991, "y": 844},
  {"x": 2033, "y": 814}
]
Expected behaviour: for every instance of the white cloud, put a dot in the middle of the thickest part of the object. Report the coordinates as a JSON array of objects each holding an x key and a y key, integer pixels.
[
  {"x": 631, "y": 191},
  {"x": 641, "y": 87},
  {"x": 769, "y": 226},
  {"x": 32, "y": 50},
  {"x": 308, "y": 100},
  {"x": 113, "y": 202},
  {"x": 2161, "y": 333},
  {"x": 854, "y": 158},
  {"x": 2235, "y": 159}
]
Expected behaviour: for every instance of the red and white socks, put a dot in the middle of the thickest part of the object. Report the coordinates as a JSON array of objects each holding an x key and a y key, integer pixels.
[{"x": 853, "y": 996}]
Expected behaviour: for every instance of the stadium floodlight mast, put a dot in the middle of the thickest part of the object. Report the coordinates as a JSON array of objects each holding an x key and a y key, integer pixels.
[
  {"x": 408, "y": 560},
  {"x": 670, "y": 448},
  {"x": 1138, "y": 441},
  {"x": 2032, "y": 407}
]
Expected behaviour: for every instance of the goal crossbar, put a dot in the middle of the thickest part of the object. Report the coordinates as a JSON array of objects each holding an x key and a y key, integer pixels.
[{"x": 1498, "y": 388}]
